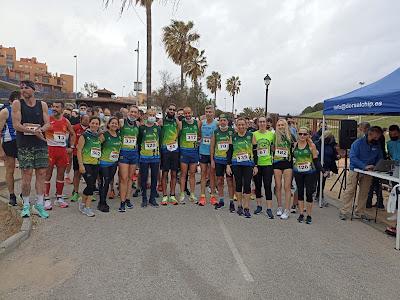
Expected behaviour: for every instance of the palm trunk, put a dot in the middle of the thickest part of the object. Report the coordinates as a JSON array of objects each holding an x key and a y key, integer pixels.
[
  {"x": 233, "y": 104},
  {"x": 149, "y": 48},
  {"x": 182, "y": 79},
  {"x": 215, "y": 99}
]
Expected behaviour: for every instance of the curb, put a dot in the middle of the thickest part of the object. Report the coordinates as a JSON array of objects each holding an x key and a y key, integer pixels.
[{"x": 15, "y": 240}]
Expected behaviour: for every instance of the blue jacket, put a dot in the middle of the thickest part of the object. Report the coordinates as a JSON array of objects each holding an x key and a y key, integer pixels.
[
  {"x": 363, "y": 154},
  {"x": 394, "y": 149}
]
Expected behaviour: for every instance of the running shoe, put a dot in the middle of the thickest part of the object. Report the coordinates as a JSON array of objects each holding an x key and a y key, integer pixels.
[
  {"x": 258, "y": 210},
  {"x": 270, "y": 214},
  {"x": 61, "y": 203},
  {"x": 301, "y": 218},
  {"x": 252, "y": 196},
  {"x": 293, "y": 209},
  {"x": 111, "y": 194},
  {"x": 182, "y": 198},
  {"x": 213, "y": 200},
  {"x": 308, "y": 220},
  {"x": 122, "y": 207},
  {"x": 75, "y": 197},
  {"x": 144, "y": 204},
  {"x": 202, "y": 200},
  {"x": 94, "y": 197},
  {"x": 164, "y": 201},
  {"x": 173, "y": 200},
  {"x": 13, "y": 200},
  {"x": 285, "y": 215},
  {"x": 103, "y": 207},
  {"x": 128, "y": 204},
  {"x": 26, "y": 211},
  {"x": 153, "y": 203},
  {"x": 47, "y": 204},
  {"x": 40, "y": 211},
  {"x": 232, "y": 207},
  {"x": 81, "y": 206},
  {"x": 221, "y": 203},
  {"x": 187, "y": 192},
  {"x": 136, "y": 193},
  {"x": 193, "y": 198},
  {"x": 247, "y": 213},
  {"x": 240, "y": 211},
  {"x": 88, "y": 211},
  {"x": 279, "y": 211}
]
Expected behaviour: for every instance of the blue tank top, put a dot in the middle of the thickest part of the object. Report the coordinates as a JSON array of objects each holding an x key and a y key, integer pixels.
[
  {"x": 207, "y": 131},
  {"x": 8, "y": 131}
]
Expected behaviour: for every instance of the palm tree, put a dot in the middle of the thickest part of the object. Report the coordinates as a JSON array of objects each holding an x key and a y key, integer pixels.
[
  {"x": 214, "y": 84},
  {"x": 233, "y": 88},
  {"x": 196, "y": 66},
  {"x": 178, "y": 39}
]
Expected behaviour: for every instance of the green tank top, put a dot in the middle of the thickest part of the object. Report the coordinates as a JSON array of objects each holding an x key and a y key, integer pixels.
[
  {"x": 110, "y": 148},
  {"x": 303, "y": 160},
  {"x": 150, "y": 138},
  {"x": 169, "y": 135},
  {"x": 222, "y": 141},
  {"x": 91, "y": 151},
  {"x": 129, "y": 135},
  {"x": 283, "y": 150},
  {"x": 189, "y": 135},
  {"x": 243, "y": 149},
  {"x": 264, "y": 143}
]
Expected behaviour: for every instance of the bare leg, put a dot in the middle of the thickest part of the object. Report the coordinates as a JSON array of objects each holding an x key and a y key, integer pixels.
[
  {"x": 10, "y": 168},
  {"x": 204, "y": 171},
  {"x": 123, "y": 180},
  {"x": 231, "y": 191},
  {"x": 184, "y": 171},
  {"x": 192, "y": 180},
  {"x": 287, "y": 175},
  {"x": 164, "y": 182},
  {"x": 278, "y": 186},
  {"x": 172, "y": 183},
  {"x": 26, "y": 182}
]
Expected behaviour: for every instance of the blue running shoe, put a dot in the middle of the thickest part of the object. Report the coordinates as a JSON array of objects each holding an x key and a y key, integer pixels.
[
  {"x": 258, "y": 210},
  {"x": 122, "y": 207},
  {"x": 128, "y": 204},
  {"x": 240, "y": 211},
  {"x": 270, "y": 215},
  {"x": 247, "y": 213},
  {"x": 26, "y": 211},
  {"x": 41, "y": 211}
]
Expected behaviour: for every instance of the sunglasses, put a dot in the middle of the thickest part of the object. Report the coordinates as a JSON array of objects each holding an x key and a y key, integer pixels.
[
  {"x": 24, "y": 87},
  {"x": 172, "y": 109},
  {"x": 303, "y": 133}
]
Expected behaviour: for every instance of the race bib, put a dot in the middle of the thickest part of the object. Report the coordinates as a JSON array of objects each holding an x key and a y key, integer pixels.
[
  {"x": 150, "y": 145},
  {"x": 172, "y": 147},
  {"x": 262, "y": 152},
  {"x": 60, "y": 138},
  {"x": 206, "y": 141},
  {"x": 223, "y": 146},
  {"x": 95, "y": 152},
  {"x": 114, "y": 155},
  {"x": 129, "y": 141},
  {"x": 191, "y": 137},
  {"x": 304, "y": 167},
  {"x": 242, "y": 157},
  {"x": 281, "y": 152},
  {"x": 31, "y": 127}
]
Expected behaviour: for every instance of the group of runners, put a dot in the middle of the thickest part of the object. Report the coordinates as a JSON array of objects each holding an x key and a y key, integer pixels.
[{"x": 139, "y": 145}]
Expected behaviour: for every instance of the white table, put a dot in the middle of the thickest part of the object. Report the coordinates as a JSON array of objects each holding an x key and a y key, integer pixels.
[{"x": 386, "y": 176}]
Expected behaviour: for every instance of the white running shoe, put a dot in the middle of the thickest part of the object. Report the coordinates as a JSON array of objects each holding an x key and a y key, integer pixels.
[
  {"x": 60, "y": 202},
  {"x": 81, "y": 207},
  {"x": 182, "y": 198},
  {"x": 279, "y": 211},
  {"x": 48, "y": 205},
  {"x": 285, "y": 214},
  {"x": 392, "y": 217},
  {"x": 88, "y": 211}
]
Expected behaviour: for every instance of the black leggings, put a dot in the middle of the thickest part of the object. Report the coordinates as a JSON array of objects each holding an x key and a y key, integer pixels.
[
  {"x": 90, "y": 176},
  {"x": 264, "y": 176},
  {"x": 243, "y": 175},
  {"x": 305, "y": 181},
  {"x": 107, "y": 174}
]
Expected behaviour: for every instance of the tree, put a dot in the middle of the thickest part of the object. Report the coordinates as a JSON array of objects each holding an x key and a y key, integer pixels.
[
  {"x": 233, "y": 88},
  {"x": 178, "y": 38},
  {"x": 196, "y": 66},
  {"x": 249, "y": 112},
  {"x": 214, "y": 84},
  {"x": 89, "y": 88}
]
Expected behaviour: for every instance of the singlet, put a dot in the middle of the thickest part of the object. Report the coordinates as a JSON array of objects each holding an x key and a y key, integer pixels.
[
  {"x": 221, "y": 147},
  {"x": 303, "y": 160},
  {"x": 78, "y": 132},
  {"x": 8, "y": 132},
  {"x": 264, "y": 143},
  {"x": 110, "y": 149},
  {"x": 283, "y": 150},
  {"x": 169, "y": 135},
  {"x": 242, "y": 149},
  {"x": 188, "y": 136},
  {"x": 31, "y": 117},
  {"x": 207, "y": 131},
  {"x": 91, "y": 151},
  {"x": 56, "y": 135},
  {"x": 129, "y": 135},
  {"x": 149, "y": 143}
]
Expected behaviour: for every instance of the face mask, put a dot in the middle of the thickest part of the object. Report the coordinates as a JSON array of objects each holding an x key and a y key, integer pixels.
[
  {"x": 82, "y": 112},
  {"x": 101, "y": 116},
  {"x": 180, "y": 118},
  {"x": 394, "y": 138},
  {"x": 223, "y": 127},
  {"x": 107, "y": 118},
  {"x": 132, "y": 119},
  {"x": 151, "y": 119}
]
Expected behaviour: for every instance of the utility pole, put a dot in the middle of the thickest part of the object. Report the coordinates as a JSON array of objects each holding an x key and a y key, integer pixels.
[
  {"x": 76, "y": 76},
  {"x": 137, "y": 69}
]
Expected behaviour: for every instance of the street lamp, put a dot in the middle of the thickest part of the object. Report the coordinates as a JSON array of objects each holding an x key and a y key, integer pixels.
[
  {"x": 123, "y": 87},
  {"x": 76, "y": 76},
  {"x": 267, "y": 81},
  {"x": 137, "y": 69}
]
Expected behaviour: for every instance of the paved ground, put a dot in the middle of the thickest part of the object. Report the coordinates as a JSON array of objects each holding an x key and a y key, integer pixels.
[{"x": 188, "y": 252}]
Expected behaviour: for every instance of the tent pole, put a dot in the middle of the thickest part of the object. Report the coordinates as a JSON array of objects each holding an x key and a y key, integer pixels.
[
  {"x": 398, "y": 222},
  {"x": 321, "y": 174}
]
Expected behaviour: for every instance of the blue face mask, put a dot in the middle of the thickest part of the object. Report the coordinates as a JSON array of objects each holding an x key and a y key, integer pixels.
[
  {"x": 101, "y": 116},
  {"x": 82, "y": 113},
  {"x": 151, "y": 119}
]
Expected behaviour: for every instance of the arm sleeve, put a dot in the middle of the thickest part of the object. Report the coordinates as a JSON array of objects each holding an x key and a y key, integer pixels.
[
  {"x": 229, "y": 154},
  {"x": 255, "y": 154},
  {"x": 354, "y": 154}
]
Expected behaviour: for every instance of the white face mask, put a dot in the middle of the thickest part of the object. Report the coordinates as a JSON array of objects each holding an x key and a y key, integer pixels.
[
  {"x": 223, "y": 127},
  {"x": 107, "y": 118},
  {"x": 151, "y": 119}
]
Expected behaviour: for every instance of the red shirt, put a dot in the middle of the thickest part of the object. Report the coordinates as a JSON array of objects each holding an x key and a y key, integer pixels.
[
  {"x": 57, "y": 134},
  {"x": 78, "y": 132}
]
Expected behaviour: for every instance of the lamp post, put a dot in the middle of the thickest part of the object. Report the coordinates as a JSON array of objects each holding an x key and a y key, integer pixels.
[
  {"x": 76, "y": 76},
  {"x": 267, "y": 81},
  {"x": 137, "y": 69},
  {"x": 123, "y": 87}
]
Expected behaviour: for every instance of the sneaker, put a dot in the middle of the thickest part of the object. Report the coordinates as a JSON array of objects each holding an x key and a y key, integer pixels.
[
  {"x": 61, "y": 203},
  {"x": 342, "y": 217},
  {"x": 122, "y": 207},
  {"x": 47, "y": 204},
  {"x": 232, "y": 207},
  {"x": 258, "y": 210},
  {"x": 308, "y": 220},
  {"x": 164, "y": 201},
  {"x": 252, "y": 196},
  {"x": 192, "y": 198},
  {"x": 111, "y": 194},
  {"x": 285, "y": 215},
  {"x": 240, "y": 211},
  {"x": 153, "y": 203},
  {"x": 103, "y": 207},
  {"x": 13, "y": 200},
  {"x": 182, "y": 198},
  {"x": 213, "y": 200},
  {"x": 144, "y": 204},
  {"x": 220, "y": 204},
  {"x": 173, "y": 200},
  {"x": 128, "y": 204},
  {"x": 300, "y": 219},
  {"x": 26, "y": 211},
  {"x": 270, "y": 214},
  {"x": 75, "y": 197},
  {"x": 202, "y": 200},
  {"x": 136, "y": 193},
  {"x": 392, "y": 217},
  {"x": 279, "y": 211},
  {"x": 88, "y": 211},
  {"x": 247, "y": 213},
  {"x": 187, "y": 192},
  {"x": 293, "y": 209},
  {"x": 81, "y": 206},
  {"x": 94, "y": 198},
  {"x": 40, "y": 211}
]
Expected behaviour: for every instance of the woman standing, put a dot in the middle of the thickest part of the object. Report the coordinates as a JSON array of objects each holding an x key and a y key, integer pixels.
[
  {"x": 89, "y": 153},
  {"x": 283, "y": 166},
  {"x": 305, "y": 168},
  {"x": 110, "y": 148},
  {"x": 243, "y": 158}
]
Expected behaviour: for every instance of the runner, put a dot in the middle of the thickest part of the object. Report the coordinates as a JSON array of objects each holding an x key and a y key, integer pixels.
[
  {"x": 242, "y": 155},
  {"x": 208, "y": 126},
  {"x": 128, "y": 156},
  {"x": 30, "y": 119},
  {"x": 189, "y": 153},
  {"x": 78, "y": 129},
  {"x": 149, "y": 145},
  {"x": 264, "y": 139},
  {"x": 305, "y": 166},
  {"x": 169, "y": 154},
  {"x": 219, "y": 148},
  {"x": 89, "y": 153},
  {"x": 111, "y": 145},
  {"x": 8, "y": 145}
]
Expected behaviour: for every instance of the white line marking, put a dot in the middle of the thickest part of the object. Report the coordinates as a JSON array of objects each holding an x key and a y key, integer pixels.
[{"x": 235, "y": 251}]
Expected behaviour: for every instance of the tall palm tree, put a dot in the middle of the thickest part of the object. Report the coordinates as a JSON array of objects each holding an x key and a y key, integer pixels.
[
  {"x": 233, "y": 87},
  {"x": 214, "y": 84},
  {"x": 178, "y": 38},
  {"x": 196, "y": 66}
]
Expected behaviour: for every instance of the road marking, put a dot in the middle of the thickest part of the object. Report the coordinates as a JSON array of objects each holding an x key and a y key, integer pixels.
[{"x": 235, "y": 251}]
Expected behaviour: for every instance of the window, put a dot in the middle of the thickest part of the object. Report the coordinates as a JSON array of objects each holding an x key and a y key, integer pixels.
[
  {"x": 17, "y": 77},
  {"x": 26, "y": 77},
  {"x": 46, "y": 79},
  {"x": 10, "y": 65},
  {"x": 9, "y": 57}
]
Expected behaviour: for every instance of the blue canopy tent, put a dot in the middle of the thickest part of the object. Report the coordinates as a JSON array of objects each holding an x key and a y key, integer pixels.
[{"x": 379, "y": 98}]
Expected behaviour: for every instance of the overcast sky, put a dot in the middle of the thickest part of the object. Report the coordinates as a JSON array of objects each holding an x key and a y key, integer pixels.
[{"x": 312, "y": 49}]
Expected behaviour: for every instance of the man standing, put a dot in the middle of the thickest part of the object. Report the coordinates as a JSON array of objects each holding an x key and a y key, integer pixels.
[
  {"x": 8, "y": 145},
  {"x": 30, "y": 119},
  {"x": 56, "y": 137},
  {"x": 364, "y": 154}
]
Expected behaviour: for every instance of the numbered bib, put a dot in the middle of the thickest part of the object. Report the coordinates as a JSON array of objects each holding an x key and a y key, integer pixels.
[
  {"x": 262, "y": 152},
  {"x": 95, "y": 152},
  {"x": 206, "y": 141},
  {"x": 114, "y": 155},
  {"x": 281, "y": 152},
  {"x": 31, "y": 127},
  {"x": 242, "y": 157},
  {"x": 223, "y": 146},
  {"x": 172, "y": 147},
  {"x": 60, "y": 138},
  {"x": 304, "y": 167},
  {"x": 191, "y": 137},
  {"x": 129, "y": 141},
  {"x": 150, "y": 145}
]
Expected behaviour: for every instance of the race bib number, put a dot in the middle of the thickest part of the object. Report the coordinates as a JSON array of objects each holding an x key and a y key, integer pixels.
[
  {"x": 95, "y": 152},
  {"x": 191, "y": 137},
  {"x": 206, "y": 141},
  {"x": 242, "y": 157},
  {"x": 129, "y": 141},
  {"x": 262, "y": 152},
  {"x": 172, "y": 147},
  {"x": 304, "y": 167},
  {"x": 60, "y": 138},
  {"x": 281, "y": 152},
  {"x": 31, "y": 127},
  {"x": 223, "y": 146},
  {"x": 150, "y": 145},
  {"x": 114, "y": 155}
]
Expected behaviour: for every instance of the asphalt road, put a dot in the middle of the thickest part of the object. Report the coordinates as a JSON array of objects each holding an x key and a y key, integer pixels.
[{"x": 190, "y": 252}]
